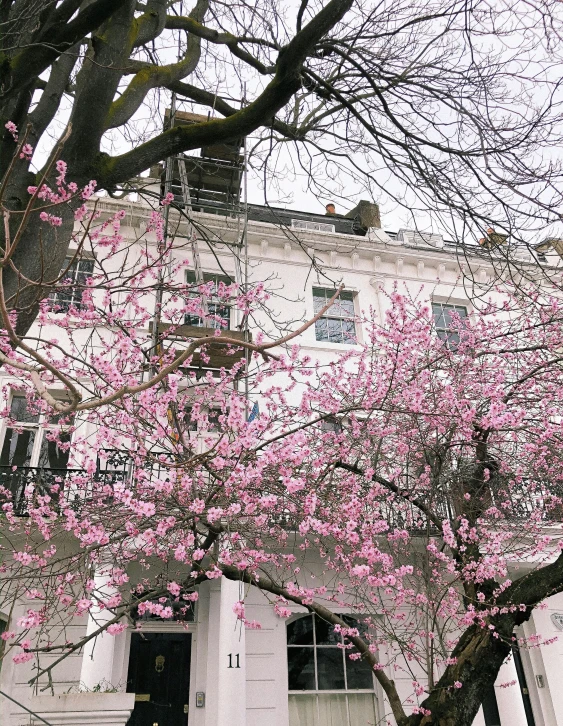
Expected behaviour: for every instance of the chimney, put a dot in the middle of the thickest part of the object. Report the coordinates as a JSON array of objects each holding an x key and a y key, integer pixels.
[
  {"x": 551, "y": 243},
  {"x": 493, "y": 239},
  {"x": 367, "y": 213}
]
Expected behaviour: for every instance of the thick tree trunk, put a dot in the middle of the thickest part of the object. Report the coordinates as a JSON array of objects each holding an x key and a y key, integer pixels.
[{"x": 479, "y": 658}]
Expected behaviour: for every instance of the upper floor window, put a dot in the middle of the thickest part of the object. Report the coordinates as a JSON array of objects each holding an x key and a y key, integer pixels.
[
  {"x": 447, "y": 319},
  {"x": 72, "y": 284},
  {"x": 331, "y": 425},
  {"x": 219, "y": 310},
  {"x": 325, "y": 685},
  {"x": 211, "y": 422},
  {"x": 338, "y": 324},
  {"x": 34, "y": 439}
]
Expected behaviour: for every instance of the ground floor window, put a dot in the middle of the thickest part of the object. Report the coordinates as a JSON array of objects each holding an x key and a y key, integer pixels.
[
  {"x": 326, "y": 687},
  {"x": 332, "y": 709}
]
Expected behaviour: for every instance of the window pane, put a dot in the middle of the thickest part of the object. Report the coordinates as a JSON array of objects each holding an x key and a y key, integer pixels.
[
  {"x": 358, "y": 673},
  {"x": 348, "y": 331},
  {"x": 74, "y": 279},
  {"x": 17, "y": 448},
  {"x": 208, "y": 277},
  {"x": 53, "y": 417},
  {"x": 448, "y": 317},
  {"x": 361, "y": 707},
  {"x": 345, "y": 304},
  {"x": 189, "y": 424},
  {"x": 334, "y": 330},
  {"x": 84, "y": 271},
  {"x": 213, "y": 419},
  {"x": 319, "y": 298},
  {"x": 330, "y": 669},
  {"x": 333, "y": 710},
  {"x": 445, "y": 325},
  {"x": 325, "y": 633},
  {"x": 438, "y": 315},
  {"x": 220, "y": 311},
  {"x": 321, "y": 329},
  {"x": 301, "y": 669},
  {"x": 300, "y": 632},
  {"x": 303, "y": 710},
  {"x": 51, "y": 455},
  {"x": 194, "y": 320},
  {"x": 354, "y": 622},
  {"x": 331, "y": 425},
  {"x": 19, "y": 411}
]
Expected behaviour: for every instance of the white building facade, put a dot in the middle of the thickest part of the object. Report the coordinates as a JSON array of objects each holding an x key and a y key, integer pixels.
[{"x": 290, "y": 672}]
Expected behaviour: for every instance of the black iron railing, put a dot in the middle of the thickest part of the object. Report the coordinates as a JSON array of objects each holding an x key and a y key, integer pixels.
[
  {"x": 543, "y": 502},
  {"x": 27, "y": 484}
]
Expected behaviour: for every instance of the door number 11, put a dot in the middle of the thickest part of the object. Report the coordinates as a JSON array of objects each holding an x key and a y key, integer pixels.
[{"x": 236, "y": 659}]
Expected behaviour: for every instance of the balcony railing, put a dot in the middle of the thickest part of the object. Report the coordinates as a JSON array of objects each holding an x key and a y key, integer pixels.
[
  {"x": 516, "y": 504},
  {"x": 28, "y": 483}
]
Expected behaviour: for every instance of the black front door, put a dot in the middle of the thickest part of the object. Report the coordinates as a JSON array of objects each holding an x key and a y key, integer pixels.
[{"x": 159, "y": 675}]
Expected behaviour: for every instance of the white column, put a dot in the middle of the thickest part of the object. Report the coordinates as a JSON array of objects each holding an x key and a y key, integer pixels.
[
  {"x": 509, "y": 700},
  {"x": 226, "y": 658},
  {"x": 97, "y": 657},
  {"x": 232, "y": 658}
]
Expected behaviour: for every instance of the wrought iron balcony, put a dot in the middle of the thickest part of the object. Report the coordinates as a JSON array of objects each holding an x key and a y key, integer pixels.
[
  {"x": 28, "y": 483},
  {"x": 514, "y": 505}
]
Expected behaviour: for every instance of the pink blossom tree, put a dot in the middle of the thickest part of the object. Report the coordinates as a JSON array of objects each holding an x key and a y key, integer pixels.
[{"x": 418, "y": 471}]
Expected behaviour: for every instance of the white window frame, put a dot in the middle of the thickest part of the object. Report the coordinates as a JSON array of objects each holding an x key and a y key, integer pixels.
[
  {"x": 59, "y": 297},
  {"x": 330, "y": 692},
  {"x": 443, "y": 332},
  {"x": 333, "y": 314},
  {"x": 40, "y": 427},
  {"x": 209, "y": 322}
]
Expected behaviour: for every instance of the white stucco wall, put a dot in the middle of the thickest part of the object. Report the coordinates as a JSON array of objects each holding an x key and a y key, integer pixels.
[{"x": 258, "y": 693}]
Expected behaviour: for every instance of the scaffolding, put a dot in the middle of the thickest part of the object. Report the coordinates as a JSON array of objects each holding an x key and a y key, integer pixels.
[
  {"x": 213, "y": 183},
  {"x": 215, "y": 177}
]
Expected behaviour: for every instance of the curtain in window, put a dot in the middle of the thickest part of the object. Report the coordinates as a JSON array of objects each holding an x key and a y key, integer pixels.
[
  {"x": 362, "y": 709},
  {"x": 303, "y": 711},
  {"x": 332, "y": 709}
]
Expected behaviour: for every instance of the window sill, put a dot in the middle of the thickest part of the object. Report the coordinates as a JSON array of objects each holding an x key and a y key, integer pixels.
[{"x": 330, "y": 347}]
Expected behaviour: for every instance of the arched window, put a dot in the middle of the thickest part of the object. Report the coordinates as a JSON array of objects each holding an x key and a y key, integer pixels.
[{"x": 326, "y": 688}]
